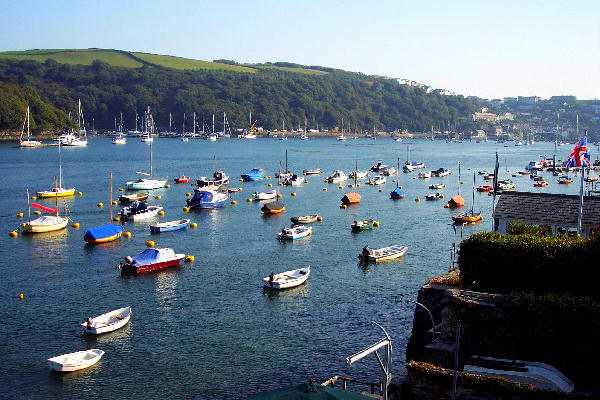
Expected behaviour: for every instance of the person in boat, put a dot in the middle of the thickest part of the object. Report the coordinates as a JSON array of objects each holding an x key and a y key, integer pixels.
[
  {"x": 271, "y": 278},
  {"x": 366, "y": 251},
  {"x": 89, "y": 323}
]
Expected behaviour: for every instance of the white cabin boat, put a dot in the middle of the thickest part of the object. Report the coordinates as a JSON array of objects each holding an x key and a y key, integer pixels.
[
  {"x": 377, "y": 180},
  {"x": 359, "y": 174},
  {"x": 295, "y": 232},
  {"x": 108, "y": 322},
  {"x": 287, "y": 279},
  {"x": 382, "y": 254},
  {"x": 294, "y": 180},
  {"x": 337, "y": 177},
  {"x": 139, "y": 211},
  {"x": 75, "y": 361}
]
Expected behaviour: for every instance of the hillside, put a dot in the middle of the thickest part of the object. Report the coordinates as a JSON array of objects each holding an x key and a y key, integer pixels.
[{"x": 110, "y": 82}]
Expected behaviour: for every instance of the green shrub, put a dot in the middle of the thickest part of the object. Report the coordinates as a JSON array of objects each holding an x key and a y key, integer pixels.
[{"x": 523, "y": 228}]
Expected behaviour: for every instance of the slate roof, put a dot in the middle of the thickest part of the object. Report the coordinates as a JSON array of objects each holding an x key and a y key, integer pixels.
[{"x": 547, "y": 208}]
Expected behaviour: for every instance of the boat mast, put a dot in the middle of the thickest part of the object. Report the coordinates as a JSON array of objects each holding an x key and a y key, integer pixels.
[
  {"x": 28, "y": 206},
  {"x": 214, "y": 164},
  {"x": 111, "y": 205},
  {"x": 224, "y": 116},
  {"x": 473, "y": 201},
  {"x": 183, "y": 128},
  {"x": 213, "y": 132},
  {"x": 286, "y": 164},
  {"x": 169, "y": 122},
  {"x": 355, "y": 175},
  {"x": 459, "y": 178},
  {"x": 59, "y": 165},
  {"x": 28, "y": 123},
  {"x": 195, "y": 124},
  {"x": 398, "y": 175}
]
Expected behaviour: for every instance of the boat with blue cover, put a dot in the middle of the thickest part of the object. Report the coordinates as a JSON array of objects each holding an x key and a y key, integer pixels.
[
  {"x": 103, "y": 234},
  {"x": 397, "y": 193},
  {"x": 169, "y": 226},
  {"x": 150, "y": 260},
  {"x": 256, "y": 174},
  {"x": 207, "y": 199}
]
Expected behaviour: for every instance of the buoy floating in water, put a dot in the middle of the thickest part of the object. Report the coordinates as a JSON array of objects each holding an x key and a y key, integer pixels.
[
  {"x": 116, "y": 219},
  {"x": 380, "y": 190},
  {"x": 270, "y": 185},
  {"x": 150, "y": 243},
  {"x": 167, "y": 185},
  {"x": 233, "y": 202},
  {"x": 193, "y": 225},
  {"x": 13, "y": 234},
  {"x": 79, "y": 193},
  {"x": 75, "y": 225},
  {"x": 189, "y": 259},
  {"x": 21, "y": 296},
  {"x": 114, "y": 202},
  {"x": 158, "y": 197},
  {"x": 188, "y": 194},
  {"x": 37, "y": 212},
  {"x": 100, "y": 205},
  {"x": 324, "y": 189},
  {"x": 293, "y": 193},
  {"x": 249, "y": 200},
  {"x": 186, "y": 209},
  {"x": 376, "y": 223},
  {"x": 127, "y": 234},
  {"x": 342, "y": 206},
  {"x": 19, "y": 215},
  {"x": 306, "y": 182},
  {"x": 319, "y": 218},
  {"x": 279, "y": 195},
  {"x": 417, "y": 199},
  {"x": 240, "y": 188},
  {"x": 33, "y": 198},
  {"x": 161, "y": 212},
  {"x": 121, "y": 189},
  {"x": 446, "y": 205}
]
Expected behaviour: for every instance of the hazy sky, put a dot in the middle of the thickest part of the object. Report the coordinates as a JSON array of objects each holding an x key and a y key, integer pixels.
[{"x": 485, "y": 48}]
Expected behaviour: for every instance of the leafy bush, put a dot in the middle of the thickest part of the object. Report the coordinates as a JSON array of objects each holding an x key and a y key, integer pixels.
[
  {"x": 451, "y": 278},
  {"x": 496, "y": 263},
  {"x": 523, "y": 228}
]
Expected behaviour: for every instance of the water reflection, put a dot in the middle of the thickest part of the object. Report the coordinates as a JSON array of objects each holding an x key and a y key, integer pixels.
[
  {"x": 83, "y": 375},
  {"x": 119, "y": 336},
  {"x": 298, "y": 291},
  {"x": 166, "y": 285}
]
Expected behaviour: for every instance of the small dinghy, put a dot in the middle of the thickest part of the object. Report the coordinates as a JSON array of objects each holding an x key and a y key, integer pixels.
[
  {"x": 314, "y": 171},
  {"x": 434, "y": 196},
  {"x": 382, "y": 254},
  {"x": 182, "y": 179},
  {"x": 108, "y": 322},
  {"x": 169, "y": 226},
  {"x": 437, "y": 186},
  {"x": 305, "y": 219},
  {"x": 295, "y": 232},
  {"x": 287, "y": 279},
  {"x": 377, "y": 180},
  {"x": 271, "y": 194},
  {"x": 130, "y": 198},
  {"x": 75, "y": 361},
  {"x": 365, "y": 225}
]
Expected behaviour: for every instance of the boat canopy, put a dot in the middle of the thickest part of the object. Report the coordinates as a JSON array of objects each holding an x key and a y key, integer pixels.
[
  {"x": 148, "y": 256},
  {"x": 350, "y": 198},
  {"x": 274, "y": 206},
  {"x": 457, "y": 201},
  {"x": 203, "y": 196},
  {"x": 397, "y": 192},
  {"x": 102, "y": 232}
]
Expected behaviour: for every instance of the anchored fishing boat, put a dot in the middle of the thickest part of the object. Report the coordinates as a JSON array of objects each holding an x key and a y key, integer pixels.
[
  {"x": 365, "y": 225},
  {"x": 377, "y": 180},
  {"x": 207, "y": 199},
  {"x": 379, "y": 167},
  {"x": 255, "y": 174},
  {"x": 440, "y": 172},
  {"x": 287, "y": 279},
  {"x": 108, "y": 322},
  {"x": 139, "y": 211},
  {"x": 358, "y": 174},
  {"x": 382, "y": 254},
  {"x": 170, "y": 226},
  {"x": 305, "y": 219},
  {"x": 150, "y": 260},
  {"x": 218, "y": 179},
  {"x": 295, "y": 232},
  {"x": 294, "y": 180},
  {"x": 75, "y": 361},
  {"x": 337, "y": 177}
]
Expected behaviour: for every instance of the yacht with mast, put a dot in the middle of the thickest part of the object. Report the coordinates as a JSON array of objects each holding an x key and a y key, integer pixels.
[
  {"x": 30, "y": 141},
  {"x": 58, "y": 190}
]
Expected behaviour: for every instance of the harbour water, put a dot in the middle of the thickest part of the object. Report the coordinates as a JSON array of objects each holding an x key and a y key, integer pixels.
[{"x": 206, "y": 329}]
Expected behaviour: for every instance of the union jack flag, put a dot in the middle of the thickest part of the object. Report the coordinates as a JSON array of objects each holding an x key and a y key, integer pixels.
[{"x": 579, "y": 157}]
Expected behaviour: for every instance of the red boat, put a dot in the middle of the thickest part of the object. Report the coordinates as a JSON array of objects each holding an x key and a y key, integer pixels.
[
  {"x": 182, "y": 179},
  {"x": 150, "y": 260},
  {"x": 540, "y": 184},
  {"x": 484, "y": 188}
]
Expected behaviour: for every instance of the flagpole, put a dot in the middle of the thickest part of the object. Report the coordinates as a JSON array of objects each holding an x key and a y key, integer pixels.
[
  {"x": 495, "y": 183},
  {"x": 580, "y": 200}
]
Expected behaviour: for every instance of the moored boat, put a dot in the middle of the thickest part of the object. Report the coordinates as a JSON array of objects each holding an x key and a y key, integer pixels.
[
  {"x": 103, "y": 233},
  {"x": 107, "y": 322},
  {"x": 540, "y": 184},
  {"x": 130, "y": 198},
  {"x": 377, "y": 180},
  {"x": 287, "y": 279},
  {"x": 379, "y": 167},
  {"x": 30, "y": 141},
  {"x": 565, "y": 180},
  {"x": 273, "y": 207},
  {"x": 295, "y": 232},
  {"x": 182, "y": 179},
  {"x": 382, "y": 254},
  {"x": 170, "y": 226},
  {"x": 150, "y": 260},
  {"x": 434, "y": 196},
  {"x": 294, "y": 180},
  {"x": 75, "y": 361},
  {"x": 255, "y": 174},
  {"x": 358, "y": 174},
  {"x": 440, "y": 172},
  {"x": 305, "y": 219},
  {"x": 207, "y": 199},
  {"x": 314, "y": 171},
  {"x": 484, "y": 188},
  {"x": 271, "y": 194},
  {"x": 337, "y": 177},
  {"x": 437, "y": 186},
  {"x": 139, "y": 211},
  {"x": 425, "y": 175},
  {"x": 358, "y": 226},
  {"x": 44, "y": 223}
]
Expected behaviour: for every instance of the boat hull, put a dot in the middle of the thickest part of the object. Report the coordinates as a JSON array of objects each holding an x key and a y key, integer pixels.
[
  {"x": 169, "y": 227},
  {"x": 152, "y": 267},
  {"x": 146, "y": 184},
  {"x": 104, "y": 240},
  {"x": 29, "y": 228},
  {"x": 280, "y": 284},
  {"x": 108, "y": 322},
  {"x": 50, "y": 194},
  {"x": 75, "y": 361}
]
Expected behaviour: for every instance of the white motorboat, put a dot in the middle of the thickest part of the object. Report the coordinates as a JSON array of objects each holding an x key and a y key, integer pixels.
[
  {"x": 379, "y": 167},
  {"x": 382, "y": 254},
  {"x": 437, "y": 186},
  {"x": 271, "y": 194},
  {"x": 337, "y": 177},
  {"x": 388, "y": 171},
  {"x": 314, "y": 171},
  {"x": 75, "y": 361},
  {"x": 108, "y": 322},
  {"x": 305, "y": 219},
  {"x": 424, "y": 175},
  {"x": 359, "y": 174},
  {"x": 377, "y": 180},
  {"x": 287, "y": 279},
  {"x": 119, "y": 140},
  {"x": 294, "y": 180},
  {"x": 295, "y": 232},
  {"x": 139, "y": 211}
]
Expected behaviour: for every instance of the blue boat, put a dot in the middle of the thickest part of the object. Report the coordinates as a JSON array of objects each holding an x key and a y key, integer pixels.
[
  {"x": 169, "y": 226},
  {"x": 207, "y": 199},
  {"x": 103, "y": 234},
  {"x": 256, "y": 174},
  {"x": 397, "y": 193}
]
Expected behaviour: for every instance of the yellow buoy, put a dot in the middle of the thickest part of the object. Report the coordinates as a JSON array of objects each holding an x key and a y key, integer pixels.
[
  {"x": 127, "y": 234},
  {"x": 114, "y": 202},
  {"x": 462, "y": 183},
  {"x": 414, "y": 177},
  {"x": 341, "y": 187},
  {"x": 490, "y": 194},
  {"x": 190, "y": 259},
  {"x": 249, "y": 200},
  {"x": 358, "y": 185},
  {"x": 116, "y": 219},
  {"x": 19, "y": 215},
  {"x": 79, "y": 193},
  {"x": 158, "y": 197},
  {"x": 233, "y": 202},
  {"x": 376, "y": 223},
  {"x": 38, "y": 213},
  {"x": 280, "y": 184},
  {"x": 186, "y": 209},
  {"x": 393, "y": 180},
  {"x": 100, "y": 205},
  {"x": 193, "y": 225},
  {"x": 188, "y": 194},
  {"x": 121, "y": 189},
  {"x": 441, "y": 196},
  {"x": 380, "y": 190},
  {"x": 161, "y": 212},
  {"x": 21, "y": 296},
  {"x": 446, "y": 205},
  {"x": 167, "y": 185},
  {"x": 75, "y": 225},
  {"x": 240, "y": 188},
  {"x": 325, "y": 181},
  {"x": 270, "y": 185},
  {"x": 324, "y": 189},
  {"x": 150, "y": 243},
  {"x": 400, "y": 186},
  {"x": 417, "y": 199},
  {"x": 342, "y": 206},
  {"x": 33, "y": 198},
  {"x": 304, "y": 173},
  {"x": 319, "y": 218},
  {"x": 279, "y": 195},
  {"x": 306, "y": 182},
  {"x": 13, "y": 234},
  {"x": 241, "y": 180},
  {"x": 293, "y": 193}
]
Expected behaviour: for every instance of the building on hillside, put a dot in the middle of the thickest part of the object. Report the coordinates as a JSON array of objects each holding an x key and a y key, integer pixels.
[
  {"x": 506, "y": 117},
  {"x": 528, "y": 99},
  {"x": 557, "y": 212},
  {"x": 485, "y": 116}
]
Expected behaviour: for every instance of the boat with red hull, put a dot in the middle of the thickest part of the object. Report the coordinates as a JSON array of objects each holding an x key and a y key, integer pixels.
[
  {"x": 150, "y": 260},
  {"x": 182, "y": 179}
]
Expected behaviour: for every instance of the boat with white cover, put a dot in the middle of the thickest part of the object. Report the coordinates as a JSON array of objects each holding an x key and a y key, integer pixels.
[
  {"x": 295, "y": 232},
  {"x": 271, "y": 194},
  {"x": 294, "y": 180},
  {"x": 107, "y": 322},
  {"x": 359, "y": 174},
  {"x": 305, "y": 219},
  {"x": 337, "y": 177},
  {"x": 377, "y": 180},
  {"x": 287, "y": 279},
  {"x": 75, "y": 361},
  {"x": 139, "y": 211}
]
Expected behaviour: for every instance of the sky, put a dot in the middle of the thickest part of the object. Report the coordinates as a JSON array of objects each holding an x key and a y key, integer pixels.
[{"x": 490, "y": 49}]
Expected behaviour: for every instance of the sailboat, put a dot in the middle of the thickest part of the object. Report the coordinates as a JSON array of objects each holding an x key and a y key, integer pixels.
[
  {"x": 30, "y": 141},
  {"x": 120, "y": 139},
  {"x": 469, "y": 217},
  {"x": 285, "y": 174},
  {"x": 143, "y": 183},
  {"x": 76, "y": 141},
  {"x": 342, "y": 137},
  {"x": 274, "y": 207},
  {"x": 397, "y": 193},
  {"x": 44, "y": 223},
  {"x": 148, "y": 128},
  {"x": 105, "y": 233},
  {"x": 352, "y": 197},
  {"x": 213, "y": 136},
  {"x": 58, "y": 190}
]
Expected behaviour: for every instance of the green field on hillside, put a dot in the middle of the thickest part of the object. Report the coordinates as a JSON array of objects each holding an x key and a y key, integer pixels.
[
  {"x": 186, "y": 63},
  {"x": 83, "y": 57},
  {"x": 305, "y": 71}
]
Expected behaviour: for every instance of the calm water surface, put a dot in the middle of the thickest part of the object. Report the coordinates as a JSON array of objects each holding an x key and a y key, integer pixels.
[{"x": 207, "y": 329}]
